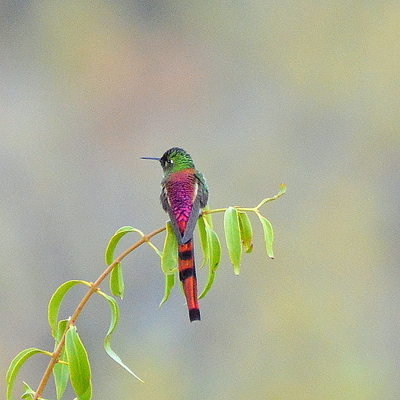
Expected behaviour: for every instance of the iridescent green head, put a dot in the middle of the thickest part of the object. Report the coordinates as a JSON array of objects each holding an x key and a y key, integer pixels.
[{"x": 174, "y": 160}]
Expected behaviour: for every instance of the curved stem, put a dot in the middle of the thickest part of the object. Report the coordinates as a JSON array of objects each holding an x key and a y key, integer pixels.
[
  {"x": 94, "y": 287},
  {"x": 282, "y": 191}
]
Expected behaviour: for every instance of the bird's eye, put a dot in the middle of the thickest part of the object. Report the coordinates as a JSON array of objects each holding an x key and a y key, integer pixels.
[{"x": 170, "y": 162}]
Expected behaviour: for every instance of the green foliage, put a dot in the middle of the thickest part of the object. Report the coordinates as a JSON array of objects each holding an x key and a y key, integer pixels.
[
  {"x": 232, "y": 235},
  {"x": 55, "y": 304},
  {"x": 268, "y": 235},
  {"x": 238, "y": 236},
  {"x": 61, "y": 371},
  {"x": 116, "y": 279},
  {"x": 211, "y": 250},
  {"x": 114, "y": 321},
  {"x": 78, "y": 365},
  {"x": 169, "y": 261},
  {"x": 16, "y": 365},
  {"x": 69, "y": 361},
  {"x": 169, "y": 256},
  {"x": 246, "y": 231}
]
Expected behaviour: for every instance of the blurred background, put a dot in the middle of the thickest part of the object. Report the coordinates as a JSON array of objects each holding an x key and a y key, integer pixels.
[{"x": 259, "y": 93}]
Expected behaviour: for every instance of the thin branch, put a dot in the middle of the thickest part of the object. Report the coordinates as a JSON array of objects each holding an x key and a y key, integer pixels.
[
  {"x": 253, "y": 209},
  {"x": 94, "y": 287},
  {"x": 281, "y": 193}
]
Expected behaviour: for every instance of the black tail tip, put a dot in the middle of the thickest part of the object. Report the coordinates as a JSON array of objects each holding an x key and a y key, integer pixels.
[{"x": 194, "y": 314}]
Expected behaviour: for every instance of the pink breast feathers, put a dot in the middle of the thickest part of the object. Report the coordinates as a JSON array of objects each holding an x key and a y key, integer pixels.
[{"x": 181, "y": 193}]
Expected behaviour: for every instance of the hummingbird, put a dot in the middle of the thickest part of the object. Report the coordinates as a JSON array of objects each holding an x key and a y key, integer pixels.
[{"x": 184, "y": 193}]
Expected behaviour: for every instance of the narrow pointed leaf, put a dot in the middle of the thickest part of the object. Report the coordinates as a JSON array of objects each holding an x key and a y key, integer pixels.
[
  {"x": 60, "y": 371},
  {"x": 203, "y": 240},
  {"x": 55, "y": 303},
  {"x": 268, "y": 235},
  {"x": 169, "y": 258},
  {"x": 78, "y": 365},
  {"x": 16, "y": 365},
  {"x": 232, "y": 235},
  {"x": 116, "y": 278},
  {"x": 117, "y": 285},
  {"x": 169, "y": 261},
  {"x": 215, "y": 258},
  {"x": 215, "y": 251},
  {"x": 246, "y": 231},
  {"x": 61, "y": 375},
  {"x": 113, "y": 324},
  {"x": 169, "y": 284}
]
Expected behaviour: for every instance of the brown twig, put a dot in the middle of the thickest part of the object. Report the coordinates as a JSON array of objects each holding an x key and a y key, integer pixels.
[{"x": 94, "y": 287}]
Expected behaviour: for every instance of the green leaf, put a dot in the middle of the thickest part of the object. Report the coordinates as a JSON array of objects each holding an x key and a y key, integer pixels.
[
  {"x": 114, "y": 241},
  {"x": 268, "y": 235},
  {"x": 169, "y": 258},
  {"x": 61, "y": 375},
  {"x": 60, "y": 371},
  {"x": 169, "y": 261},
  {"x": 29, "y": 393},
  {"x": 117, "y": 281},
  {"x": 114, "y": 321},
  {"x": 214, "y": 257},
  {"x": 55, "y": 303},
  {"x": 61, "y": 328},
  {"x": 16, "y": 365},
  {"x": 246, "y": 231},
  {"x": 203, "y": 239},
  {"x": 232, "y": 235},
  {"x": 169, "y": 284},
  {"x": 78, "y": 365}
]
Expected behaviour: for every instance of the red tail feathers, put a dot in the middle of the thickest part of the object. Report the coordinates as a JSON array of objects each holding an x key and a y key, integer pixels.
[{"x": 187, "y": 275}]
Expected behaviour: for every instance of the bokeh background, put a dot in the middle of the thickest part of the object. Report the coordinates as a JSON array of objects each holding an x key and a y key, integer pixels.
[{"x": 259, "y": 93}]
